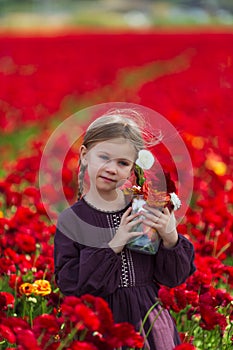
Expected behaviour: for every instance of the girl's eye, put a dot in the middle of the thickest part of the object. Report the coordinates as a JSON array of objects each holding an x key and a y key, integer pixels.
[
  {"x": 124, "y": 163},
  {"x": 102, "y": 156}
]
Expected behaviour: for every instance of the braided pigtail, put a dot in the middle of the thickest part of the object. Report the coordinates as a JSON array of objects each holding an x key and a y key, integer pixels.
[{"x": 81, "y": 173}]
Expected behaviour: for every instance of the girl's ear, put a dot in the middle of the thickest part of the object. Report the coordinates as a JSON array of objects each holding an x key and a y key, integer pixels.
[{"x": 83, "y": 154}]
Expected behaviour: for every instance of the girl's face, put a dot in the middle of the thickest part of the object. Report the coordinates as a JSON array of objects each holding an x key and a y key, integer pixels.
[{"x": 109, "y": 164}]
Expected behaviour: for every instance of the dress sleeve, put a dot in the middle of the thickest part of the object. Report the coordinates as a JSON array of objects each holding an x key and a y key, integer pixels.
[
  {"x": 80, "y": 269},
  {"x": 173, "y": 266}
]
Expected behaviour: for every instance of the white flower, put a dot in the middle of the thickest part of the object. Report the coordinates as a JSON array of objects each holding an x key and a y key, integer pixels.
[
  {"x": 175, "y": 200},
  {"x": 145, "y": 159},
  {"x": 32, "y": 300},
  {"x": 138, "y": 204}
]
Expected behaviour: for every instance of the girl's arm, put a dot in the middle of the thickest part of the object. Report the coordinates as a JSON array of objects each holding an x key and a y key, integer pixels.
[
  {"x": 80, "y": 270},
  {"x": 174, "y": 265}
]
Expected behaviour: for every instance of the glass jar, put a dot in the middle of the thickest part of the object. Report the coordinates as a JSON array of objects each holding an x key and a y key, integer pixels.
[{"x": 148, "y": 243}]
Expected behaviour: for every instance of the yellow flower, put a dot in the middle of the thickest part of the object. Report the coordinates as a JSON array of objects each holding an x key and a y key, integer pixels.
[
  {"x": 26, "y": 288},
  {"x": 215, "y": 163},
  {"x": 42, "y": 287},
  {"x": 1, "y": 214}
]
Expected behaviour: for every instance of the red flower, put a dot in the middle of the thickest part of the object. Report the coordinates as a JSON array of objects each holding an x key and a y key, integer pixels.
[
  {"x": 8, "y": 298},
  {"x": 6, "y": 334},
  {"x": 180, "y": 297},
  {"x": 15, "y": 281},
  {"x": 192, "y": 298},
  {"x": 23, "y": 215},
  {"x": 10, "y": 253},
  {"x": 25, "y": 243},
  {"x": 46, "y": 322},
  {"x": 13, "y": 198},
  {"x": 16, "y": 323},
  {"x": 80, "y": 314},
  {"x": 102, "y": 310},
  {"x": 87, "y": 317},
  {"x": 124, "y": 334},
  {"x": 210, "y": 318},
  {"x": 27, "y": 339},
  {"x": 7, "y": 266},
  {"x": 77, "y": 345},
  {"x": 166, "y": 297},
  {"x": 32, "y": 192},
  {"x": 185, "y": 346}
]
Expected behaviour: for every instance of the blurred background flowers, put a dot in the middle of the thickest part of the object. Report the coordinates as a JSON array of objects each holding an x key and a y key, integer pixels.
[{"x": 58, "y": 57}]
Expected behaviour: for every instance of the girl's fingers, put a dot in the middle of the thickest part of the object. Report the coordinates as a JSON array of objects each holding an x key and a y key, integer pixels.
[
  {"x": 130, "y": 218},
  {"x": 126, "y": 214},
  {"x": 156, "y": 212},
  {"x": 152, "y": 224},
  {"x": 136, "y": 234},
  {"x": 134, "y": 222},
  {"x": 152, "y": 217},
  {"x": 166, "y": 211}
]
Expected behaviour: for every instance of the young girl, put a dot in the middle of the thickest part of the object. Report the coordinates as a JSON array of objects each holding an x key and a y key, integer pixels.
[{"x": 90, "y": 242}]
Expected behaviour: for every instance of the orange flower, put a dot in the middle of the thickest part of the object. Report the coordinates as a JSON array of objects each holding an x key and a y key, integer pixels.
[
  {"x": 42, "y": 287},
  {"x": 26, "y": 288},
  {"x": 158, "y": 199},
  {"x": 145, "y": 190}
]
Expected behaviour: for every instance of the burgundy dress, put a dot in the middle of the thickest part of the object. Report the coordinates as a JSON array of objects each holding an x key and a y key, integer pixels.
[{"x": 128, "y": 281}]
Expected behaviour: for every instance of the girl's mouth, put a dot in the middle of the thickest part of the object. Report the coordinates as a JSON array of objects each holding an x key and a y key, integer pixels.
[{"x": 107, "y": 179}]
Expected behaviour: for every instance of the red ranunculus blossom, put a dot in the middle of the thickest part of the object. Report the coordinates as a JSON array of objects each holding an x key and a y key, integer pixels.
[
  {"x": 124, "y": 334},
  {"x": 78, "y": 345},
  {"x": 7, "y": 266},
  {"x": 25, "y": 243},
  {"x": 102, "y": 310},
  {"x": 9, "y": 300},
  {"x": 166, "y": 297},
  {"x": 16, "y": 323},
  {"x": 180, "y": 297},
  {"x": 6, "y": 334},
  {"x": 210, "y": 318},
  {"x": 27, "y": 339},
  {"x": 185, "y": 346},
  {"x": 87, "y": 317},
  {"x": 46, "y": 322},
  {"x": 80, "y": 314}
]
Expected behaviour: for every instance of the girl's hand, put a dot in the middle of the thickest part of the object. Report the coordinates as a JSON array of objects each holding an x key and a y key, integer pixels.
[
  {"x": 164, "y": 222},
  {"x": 123, "y": 234}
]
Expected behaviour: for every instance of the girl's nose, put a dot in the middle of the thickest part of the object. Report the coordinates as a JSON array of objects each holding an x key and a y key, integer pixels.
[{"x": 110, "y": 166}]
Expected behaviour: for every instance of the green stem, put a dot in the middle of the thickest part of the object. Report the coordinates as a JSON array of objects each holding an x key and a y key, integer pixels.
[
  {"x": 190, "y": 332},
  {"x": 83, "y": 335},
  {"x": 43, "y": 311},
  {"x": 69, "y": 337},
  {"x": 203, "y": 339},
  {"x": 24, "y": 307},
  {"x": 147, "y": 315},
  {"x": 152, "y": 324},
  {"x": 15, "y": 295},
  {"x": 30, "y": 315}
]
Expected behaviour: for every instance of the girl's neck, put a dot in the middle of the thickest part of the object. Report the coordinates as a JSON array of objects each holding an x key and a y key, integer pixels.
[{"x": 110, "y": 203}]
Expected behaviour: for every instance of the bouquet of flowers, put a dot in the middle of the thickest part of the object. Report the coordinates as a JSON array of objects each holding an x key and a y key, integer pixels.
[{"x": 143, "y": 193}]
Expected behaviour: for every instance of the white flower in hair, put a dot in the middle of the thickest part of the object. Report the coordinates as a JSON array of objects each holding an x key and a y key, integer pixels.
[
  {"x": 145, "y": 159},
  {"x": 175, "y": 200}
]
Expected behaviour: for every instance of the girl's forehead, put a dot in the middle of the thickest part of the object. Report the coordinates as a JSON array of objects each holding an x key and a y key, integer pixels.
[{"x": 119, "y": 147}]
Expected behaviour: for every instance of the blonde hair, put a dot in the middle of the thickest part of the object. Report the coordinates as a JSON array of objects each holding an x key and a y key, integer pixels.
[{"x": 117, "y": 123}]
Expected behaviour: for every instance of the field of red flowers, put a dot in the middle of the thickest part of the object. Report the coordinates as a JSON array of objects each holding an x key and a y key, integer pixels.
[{"x": 188, "y": 78}]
